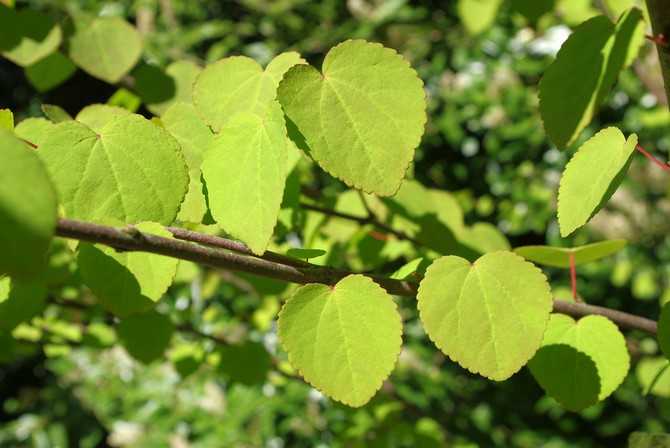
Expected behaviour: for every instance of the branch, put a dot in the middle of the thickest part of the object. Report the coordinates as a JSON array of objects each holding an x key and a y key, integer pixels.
[
  {"x": 219, "y": 258},
  {"x": 659, "y": 13}
]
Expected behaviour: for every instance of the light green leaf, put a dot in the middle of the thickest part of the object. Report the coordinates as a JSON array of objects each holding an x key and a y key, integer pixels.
[
  {"x": 245, "y": 174},
  {"x": 592, "y": 176},
  {"x": 238, "y": 84},
  {"x": 194, "y": 136},
  {"x": 560, "y": 256},
  {"x": 664, "y": 330},
  {"x": 125, "y": 99},
  {"x": 32, "y": 129},
  {"x": 483, "y": 237},
  {"x": 305, "y": 253},
  {"x": 107, "y": 48},
  {"x": 586, "y": 67},
  {"x": 96, "y": 115},
  {"x": 160, "y": 90},
  {"x": 50, "y": 71},
  {"x": 580, "y": 363},
  {"x": 28, "y": 35},
  {"x": 145, "y": 336},
  {"x": 27, "y": 209},
  {"x": 477, "y": 16},
  {"x": 361, "y": 118},
  {"x": 56, "y": 113},
  {"x": 490, "y": 315},
  {"x": 132, "y": 170},
  {"x": 19, "y": 302},
  {"x": 6, "y": 119},
  {"x": 344, "y": 340},
  {"x": 653, "y": 375},
  {"x": 127, "y": 282},
  {"x": 409, "y": 271}
]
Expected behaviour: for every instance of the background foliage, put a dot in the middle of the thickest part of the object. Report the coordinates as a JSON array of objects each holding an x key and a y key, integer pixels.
[{"x": 484, "y": 144}]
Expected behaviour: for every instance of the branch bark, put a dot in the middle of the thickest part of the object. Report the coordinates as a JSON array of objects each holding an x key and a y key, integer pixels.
[
  {"x": 659, "y": 13},
  {"x": 133, "y": 240}
]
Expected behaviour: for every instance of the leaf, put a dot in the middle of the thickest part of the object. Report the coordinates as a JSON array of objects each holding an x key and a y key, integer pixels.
[
  {"x": 644, "y": 440},
  {"x": 125, "y": 99},
  {"x": 145, "y": 336},
  {"x": 344, "y": 340},
  {"x": 56, "y": 113},
  {"x": 7, "y": 119},
  {"x": 409, "y": 271},
  {"x": 591, "y": 177},
  {"x": 106, "y": 48},
  {"x": 160, "y": 90},
  {"x": 28, "y": 208},
  {"x": 194, "y": 136},
  {"x": 248, "y": 363},
  {"x": 245, "y": 174},
  {"x": 96, "y": 115},
  {"x": 305, "y": 253},
  {"x": 131, "y": 171},
  {"x": 576, "y": 83},
  {"x": 580, "y": 363},
  {"x": 361, "y": 118},
  {"x": 50, "y": 71},
  {"x": 653, "y": 375},
  {"x": 560, "y": 256},
  {"x": 32, "y": 129},
  {"x": 663, "y": 335},
  {"x": 532, "y": 10},
  {"x": 27, "y": 35},
  {"x": 490, "y": 315},
  {"x": 19, "y": 302},
  {"x": 127, "y": 282},
  {"x": 239, "y": 84},
  {"x": 477, "y": 16},
  {"x": 187, "y": 358}
]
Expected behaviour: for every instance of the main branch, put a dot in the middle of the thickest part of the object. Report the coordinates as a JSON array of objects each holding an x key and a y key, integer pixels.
[{"x": 237, "y": 257}]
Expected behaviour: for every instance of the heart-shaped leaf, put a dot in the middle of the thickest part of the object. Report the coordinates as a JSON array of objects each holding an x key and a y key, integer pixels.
[
  {"x": 131, "y": 170},
  {"x": 574, "y": 86},
  {"x": 245, "y": 174},
  {"x": 27, "y": 35},
  {"x": 96, "y": 115},
  {"x": 127, "y": 282},
  {"x": 107, "y": 48},
  {"x": 146, "y": 336},
  {"x": 361, "y": 117},
  {"x": 490, "y": 315},
  {"x": 592, "y": 176},
  {"x": 50, "y": 71},
  {"x": 560, "y": 256},
  {"x": 344, "y": 340},
  {"x": 580, "y": 363},
  {"x": 27, "y": 209},
  {"x": 239, "y": 84}
]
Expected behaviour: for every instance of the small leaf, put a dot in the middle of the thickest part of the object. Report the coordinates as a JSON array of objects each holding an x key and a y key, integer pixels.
[
  {"x": 187, "y": 358},
  {"x": 477, "y": 16},
  {"x": 27, "y": 209},
  {"x": 28, "y": 35},
  {"x": 592, "y": 176},
  {"x": 145, "y": 336},
  {"x": 7, "y": 119},
  {"x": 490, "y": 315},
  {"x": 131, "y": 171},
  {"x": 574, "y": 86},
  {"x": 238, "y": 84},
  {"x": 19, "y": 302},
  {"x": 127, "y": 282},
  {"x": 96, "y": 115},
  {"x": 56, "y": 113},
  {"x": 580, "y": 363},
  {"x": 247, "y": 364},
  {"x": 160, "y": 90},
  {"x": 50, "y": 72},
  {"x": 107, "y": 48},
  {"x": 361, "y": 118},
  {"x": 560, "y": 256},
  {"x": 344, "y": 340},
  {"x": 305, "y": 253},
  {"x": 245, "y": 174}
]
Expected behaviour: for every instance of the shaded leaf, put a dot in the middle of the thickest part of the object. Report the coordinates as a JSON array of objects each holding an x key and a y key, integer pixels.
[{"x": 560, "y": 256}]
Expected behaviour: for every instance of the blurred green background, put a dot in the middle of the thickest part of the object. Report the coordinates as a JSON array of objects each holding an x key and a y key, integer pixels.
[{"x": 481, "y": 62}]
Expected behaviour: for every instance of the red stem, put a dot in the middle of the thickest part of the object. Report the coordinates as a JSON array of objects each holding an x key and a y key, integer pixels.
[
  {"x": 573, "y": 275},
  {"x": 653, "y": 159}
]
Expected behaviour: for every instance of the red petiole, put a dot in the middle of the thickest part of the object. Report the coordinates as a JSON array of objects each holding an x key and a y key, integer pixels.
[{"x": 652, "y": 158}]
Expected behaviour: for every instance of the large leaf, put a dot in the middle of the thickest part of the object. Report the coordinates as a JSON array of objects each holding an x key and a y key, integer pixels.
[
  {"x": 19, "y": 302},
  {"x": 127, "y": 282},
  {"x": 27, "y": 208},
  {"x": 344, "y": 340},
  {"x": 194, "y": 136},
  {"x": 145, "y": 336},
  {"x": 107, "y": 48},
  {"x": 245, "y": 174},
  {"x": 560, "y": 256},
  {"x": 592, "y": 176},
  {"x": 575, "y": 84},
  {"x": 239, "y": 84},
  {"x": 580, "y": 363},
  {"x": 361, "y": 117},
  {"x": 27, "y": 35},
  {"x": 490, "y": 315},
  {"x": 131, "y": 170}
]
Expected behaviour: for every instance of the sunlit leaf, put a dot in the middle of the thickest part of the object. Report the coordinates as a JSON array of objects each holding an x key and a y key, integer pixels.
[{"x": 560, "y": 256}]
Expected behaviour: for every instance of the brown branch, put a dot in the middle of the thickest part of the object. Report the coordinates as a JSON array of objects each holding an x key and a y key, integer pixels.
[
  {"x": 139, "y": 241},
  {"x": 659, "y": 13}
]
